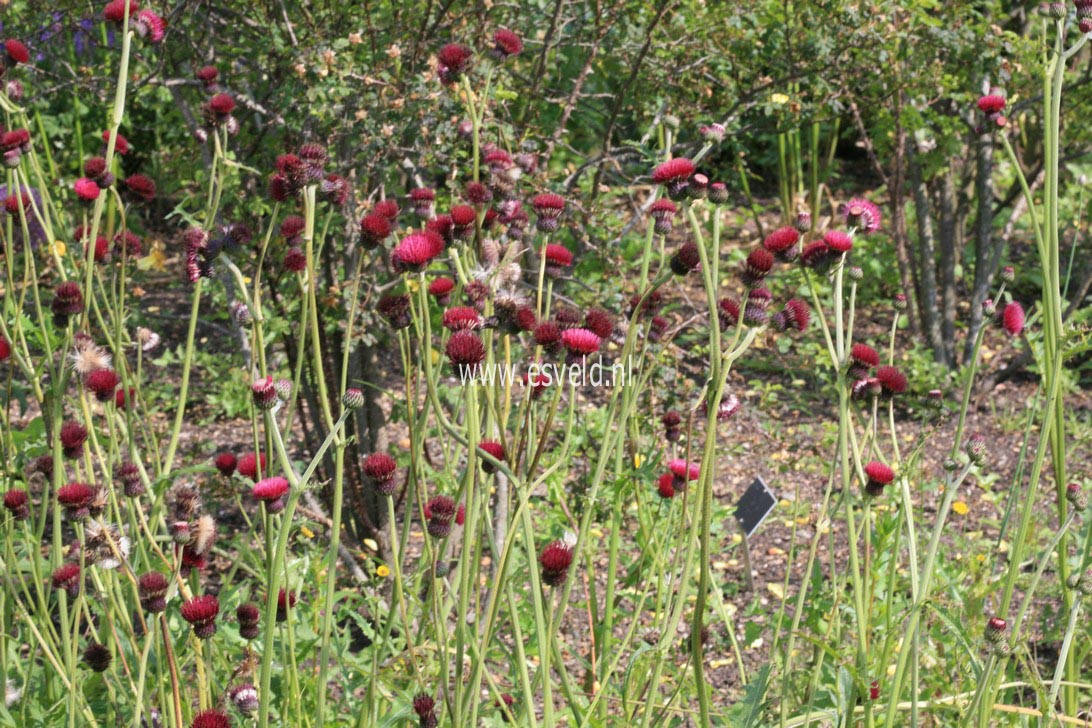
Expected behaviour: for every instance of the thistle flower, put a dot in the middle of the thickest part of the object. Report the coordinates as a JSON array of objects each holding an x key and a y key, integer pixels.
[
  {"x": 207, "y": 75},
  {"x": 422, "y": 199},
  {"x": 462, "y": 318},
  {"x": 211, "y": 719},
  {"x": 1012, "y": 318},
  {"x": 295, "y": 260},
  {"x": 416, "y": 251},
  {"x": 128, "y": 244},
  {"x": 270, "y": 489},
  {"x": 16, "y": 502},
  {"x": 201, "y": 612},
  {"x": 379, "y": 467},
  {"x": 891, "y": 380},
  {"x": 466, "y": 352},
  {"x": 878, "y": 477},
  {"x": 463, "y": 219},
  {"x": 225, "y": 462},
  {"x": 506, "y": 44},
  {"x": 547, "y": 334},
  {"x": 73, "y": 436},
  {"x": 838, "y": 241},
  {"x": 492, "y": 448},
  {"x": 783, "y": 243},
  {"x": 76, "y": 499},
  {"x": 663, "y": 214},
  {"x": 152, "y": 590},
  {"x": 66, "y": 577},
  {"x": 127, "y": 475},
  {"x": 757, "y": 267},
  {"x": 115, "y": 10},
  {"x": 286, "y": 600},
  {"x": 754, "y": 312},
  {"x": 141, "y": 186},
  {"x": 555, "y": 560},
  {"x": 991, "y": 103},
  {"x": 558, "y": 258},
  {"x": 672, "y": 422},
  {"x": 424, "y": 706},
  {"x": 579, "y": 343},
  {"x": 728, "y": 311},
  {"x": 453, "y": 60},
  {"x": 67, "y": 302},
  {"x": 15, "y": 52},
  {"x": 395, "y": 308},
  {"x": 548, "y": 207},
  {"x": 683, "y": 472},
  {"x": 97, "y": 656},
  {"x": 440, "y": 289},
  {"x": 686, "y": 259},
  {"x": 249, "y": 617},
  {"x": 221, "y": 105},
  {"x": 443, "y": 227},
  {"x": 121, "y": 144},
  {"x": 102, "y": 383},
  {"x": 249, "y": 465},
  {"x": 599, "y": 323},
  {"x": 5, "y": 349},
  {"x": 795, "y": 315},
  {"x": 862, "y": 214},
  {"x": 674, "y": 174},
  {"x": 665, "y": 486},
  {"x": 862, "y": 358},
  {"x": 817, "y": 255},
  {"x": 439, "y": 513}
]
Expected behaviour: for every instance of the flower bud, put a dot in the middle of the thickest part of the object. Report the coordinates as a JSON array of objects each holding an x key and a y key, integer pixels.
[
  {"x": 989, "y": 308},
  {"x": 718, "y": 193},
  {"x": 855, "y": 273},
  {"x": 1008, "y": 274},
  {"x": 1076, "y": 497},
  {"x": 240, "y": 314},
  {"x": 352, "y": 399},
  {"x": 283, "y": 388},
  {"x": 180, "y": 532},
  {"x": 996, "y": 629},
  {"x": 698, "y": 187},
  {"x": 976, "y": 448},
  {"x": 1085, "y": 583},
  {"x": 671, "y": 121},
  {"x": 950, "y": 465},
  {"x": 802, "y": 222},
  {"x": 900, "y": 302},
  {"x": 264, "y": 393}
]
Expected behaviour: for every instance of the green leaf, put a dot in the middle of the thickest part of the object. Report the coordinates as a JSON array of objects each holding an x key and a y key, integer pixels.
[{"x": 747, "y": 713}]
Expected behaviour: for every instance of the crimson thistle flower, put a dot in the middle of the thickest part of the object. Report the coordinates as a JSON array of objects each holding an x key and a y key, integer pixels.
[
  {"x": 440, "y": 511},
  {"x": 548, "y": 207},
  {"x": 463, "y": 219},
  {"x": 878, "y": 477},
  {"x": 66, "y": 577},
  {"x": 115, "y": 10},
  {"x": 579, "y": 343},
  {"x": 102, "y": 382},
  {"x": 15, "y": 52},
  {"x": 683, "y": 472},
  {"x": 795, "y": 315},
  {"x": 201, "y": 613},
  {"x": 97, "y": 656},
  {"x": 466, "y": 352},
  {"x": 1012, "y": 318},
  {"x": 862, "y": 358},
  {"x": 249, "y": 465},
  {"x": 863, "y": 215},
  {"x": 285, "y": 600},
  {"x": 506, "y": 44},
  {"x": 547, "y": 334},
  {"x": 5, "y": 349},
  {"x": 686, "y": 259},
  {"x": 663, "y": 214},
  {"x": 453, "y": 60},
  {"x": 141, "y": 186},
  {"x": 674, "y": 175},
  {"x": 440, "y": 289},
  {"x": 73, "y": 436},
  {"x": 757, "y": 267},
  {"x": 77, "y": 499},
  {"x": 249, "y": 617},
  {"x": 416, "y": 251},
  {"x": 891, "y": 380},
  {"x": 67, "y": 302},
  {"x": 783, "y": 243},
  {"x": 211, "y": 719},
  {"x": 424, "y": 706},
  {"x": 152, "y": 590},
  {"x": 462, "y": 318},
  {"x": 496, "y": 450},
  {"x": 379, "y": 467},
  {"x": 838, "y": 241},
  {"x": 225, "y": 462},
  {"x": 558, "y": 258},
  {"x": 555, "y": 560},
  {"x": 270, "y": 489},
  {"x": 665, "y": 486},
  {"x": 599, "y": 323},
  {"x": 15, "y": 501}
]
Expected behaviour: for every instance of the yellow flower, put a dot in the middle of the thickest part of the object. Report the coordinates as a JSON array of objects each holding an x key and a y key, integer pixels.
[
  {"x": 59, "y": 248},
  {"x": 637, "y": 460},
  {"x": 779, "y": 99},
  {"x": 307, "y": 532},
  {"x": 382, "y": 571},
  {"x": 961, "y": 508}
]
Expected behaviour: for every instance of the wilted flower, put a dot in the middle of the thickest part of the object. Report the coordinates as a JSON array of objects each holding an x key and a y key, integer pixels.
[
  {"x": 249, "y": 618},
  {"x": 686, "y": 259}
]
